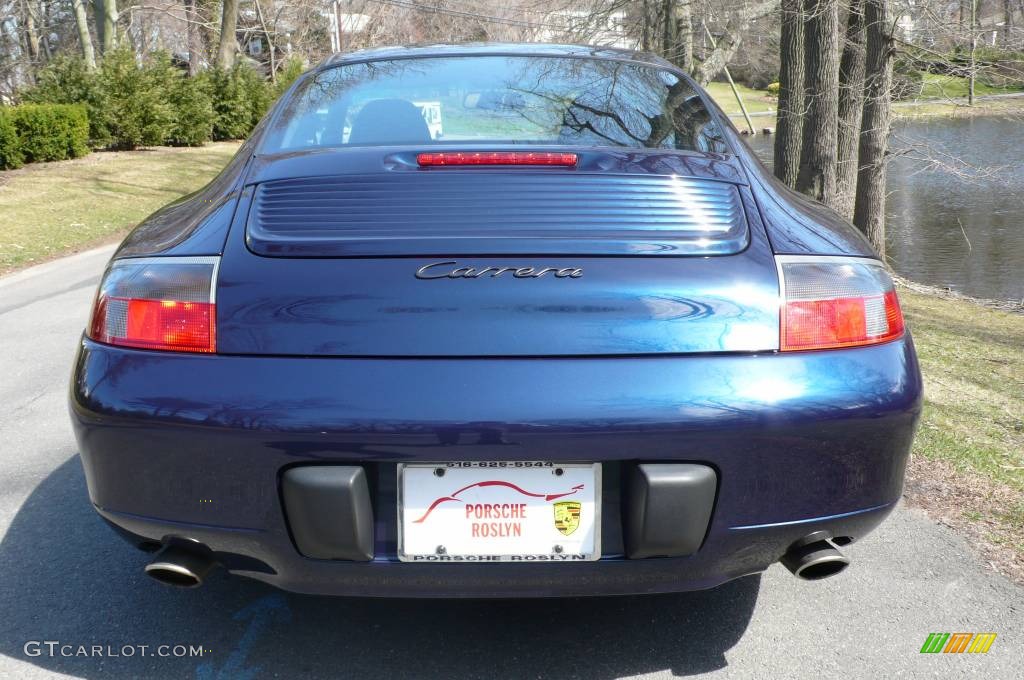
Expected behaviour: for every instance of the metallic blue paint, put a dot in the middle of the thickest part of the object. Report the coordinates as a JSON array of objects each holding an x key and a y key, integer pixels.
[
  {"x": 353, "y": 360},
  {"x": 817, "y": 520},
  {"x": 376, "y": 306},
  {"x": 364, "y": 160},
  {"x": 793, "y": 437}
]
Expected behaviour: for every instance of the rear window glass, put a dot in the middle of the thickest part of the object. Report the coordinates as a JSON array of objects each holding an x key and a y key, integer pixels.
[{"x": 502, "y": 100}]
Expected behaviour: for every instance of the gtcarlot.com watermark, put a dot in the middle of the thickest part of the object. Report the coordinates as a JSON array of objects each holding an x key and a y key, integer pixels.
[{"x": 55, "y": 648}]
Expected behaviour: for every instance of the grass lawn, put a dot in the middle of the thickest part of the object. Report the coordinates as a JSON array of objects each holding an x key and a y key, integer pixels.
[
  {"x": 953, "y": 89},
  {"x": 936, "y": 86},
  {"x": 973, "y": 360},
  {"x": 968, "y": 463},
  {"x": 1010, "y": 106},
  {"x": 944, "y": 95},
  {"x": 48, "y": 209},
  {"x": 756, "y": 101}
]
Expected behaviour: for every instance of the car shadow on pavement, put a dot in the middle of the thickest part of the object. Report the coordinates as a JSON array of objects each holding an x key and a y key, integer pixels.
[{"x": 66, "y": 577}]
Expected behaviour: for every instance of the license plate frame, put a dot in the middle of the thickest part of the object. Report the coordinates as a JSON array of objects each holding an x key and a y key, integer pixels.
[{"x": 548, "y": 476}]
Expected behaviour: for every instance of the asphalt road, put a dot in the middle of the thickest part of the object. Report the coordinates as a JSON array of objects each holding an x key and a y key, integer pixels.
[{"x": 65, "y": 577}]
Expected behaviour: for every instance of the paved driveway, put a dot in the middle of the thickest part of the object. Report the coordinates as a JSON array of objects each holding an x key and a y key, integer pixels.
[{"x": 65, "y": 577}]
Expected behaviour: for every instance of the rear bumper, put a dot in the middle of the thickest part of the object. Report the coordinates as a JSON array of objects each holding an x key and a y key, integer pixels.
[{"x": 195, "y": 446}]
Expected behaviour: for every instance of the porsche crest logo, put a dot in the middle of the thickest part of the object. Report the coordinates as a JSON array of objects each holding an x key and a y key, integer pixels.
[{"x": 567, "y": 516}]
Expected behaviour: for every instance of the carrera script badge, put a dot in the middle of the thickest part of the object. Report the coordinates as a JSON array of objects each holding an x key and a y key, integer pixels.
[{"x": 451, "y": 270}]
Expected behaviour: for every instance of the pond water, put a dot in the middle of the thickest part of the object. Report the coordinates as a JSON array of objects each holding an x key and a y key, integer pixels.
[{"x": 955, "y": 213}]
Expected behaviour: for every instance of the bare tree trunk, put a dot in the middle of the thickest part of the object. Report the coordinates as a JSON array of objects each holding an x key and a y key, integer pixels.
[
  {"x": 817, "y": 176},
  {"x": 209, "y": 36},
  {"x": 106, "y": 23},
  {"x": 668, "y": 31},
  {"x": 974, "y": 49},
  {"x": 645, "y": 26},
  {"x": 228, "y": 42},
  {"x": 45, "y": 22},
  {"x": 82, "y": 24},
  {"x": 339, "y": 26},
  {"x": 851, "y": 106},
  {"x": 736, "y": 26},
  {"x": 789, "y": 126},
  {"x": 192, "y": 38},
  {"x": 732, "y": 84},
  {"x": 719, "y": 57},
  {"x": 31, "y": 32},
  {"x": 684, "y": 35},
  {"x": 270, "y": 42},
  {"x": 139, "y": 37},
  {"x": 97, "y": 13},
  {"x": 869, "y": 210},
  {"x": 1007, "y": 22}
]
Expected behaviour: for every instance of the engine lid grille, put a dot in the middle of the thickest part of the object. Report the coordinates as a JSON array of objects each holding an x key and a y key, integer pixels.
[{"x": 504, "y": 212}]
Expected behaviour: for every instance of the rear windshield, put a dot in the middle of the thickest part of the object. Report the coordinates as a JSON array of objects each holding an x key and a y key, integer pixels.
[{"x": 496, "y": 99}]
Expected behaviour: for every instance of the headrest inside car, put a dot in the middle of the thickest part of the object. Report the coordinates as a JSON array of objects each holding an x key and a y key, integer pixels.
[{"x": 389, "y": 121}]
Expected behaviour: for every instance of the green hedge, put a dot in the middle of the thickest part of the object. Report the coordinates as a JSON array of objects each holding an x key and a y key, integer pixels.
[
  {"x": 42, "y": 132},
  {"x": 125, "y": 103},
  {"x": 192, "y": 106},
  {"x": 52, "y": 132},
  {"x": 134, "y": 104},
  {"x": 11, "y": 155},
  {"x": 240, "y": 99}
]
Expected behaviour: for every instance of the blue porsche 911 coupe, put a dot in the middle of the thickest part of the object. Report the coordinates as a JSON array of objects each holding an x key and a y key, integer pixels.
[{"x": 494, "y": 321}]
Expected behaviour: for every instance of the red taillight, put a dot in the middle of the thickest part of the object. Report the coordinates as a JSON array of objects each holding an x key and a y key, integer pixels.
[
  {"x": 836, "y": 302},
  {"x": 158, "y": 303},
  {"x": 496, "y": 158}
]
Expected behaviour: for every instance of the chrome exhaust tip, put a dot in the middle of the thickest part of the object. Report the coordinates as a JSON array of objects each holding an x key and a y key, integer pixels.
[
  {"x": 182, "y": 563},
  {"x": 815, "y": 557}
]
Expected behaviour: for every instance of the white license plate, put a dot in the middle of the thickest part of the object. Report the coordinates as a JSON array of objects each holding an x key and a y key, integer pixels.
[{"x": 510, "y": 511}]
